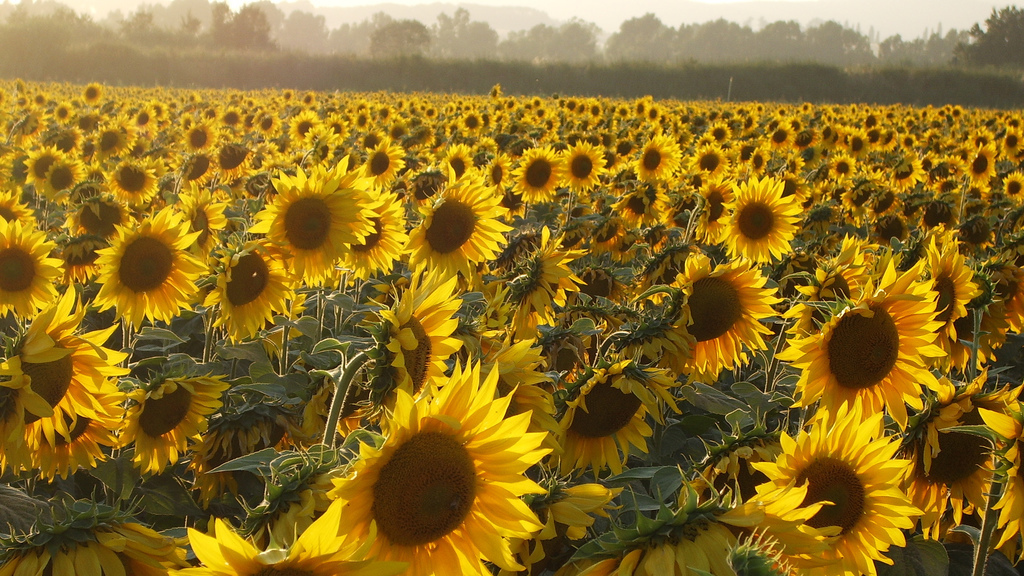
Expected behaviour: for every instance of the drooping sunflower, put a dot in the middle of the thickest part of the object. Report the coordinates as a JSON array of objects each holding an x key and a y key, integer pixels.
[
  {"x": 713, "y": 223},
  {"x": 659, "y": 159},
  {"x": 317, "y": 218},
  {"x": 460, "y": 229},
  {"x": 86, "y": 537},
  {"x": 584, "y": 165},
  {"x": 166, "y": 415},
  {"x": 99, "y": 215},
  {"x": 874, "y": 353},
  {"x": 12, "y": 208},
  {"x": 846, "y": 460},
  {"x": 382, "y": 248},
  {"x": 318, "y": 551},
  {"x": 953, "y": 468},
  {"x": 233, "y": 160},
  {"x": 147, "y": 272},
  {"x": 726, "y": 306},
  {"x": 252, "y": 286},
  {"x": 444, "y": 489},
  {"x": 543, "y": 280},
  {"x": 763, "y": 223},
  {"x": 27, "y": 272},
  {"x": 417, "y": 332},
  {"x": 383, "y": 163},
  {"x": 953, "y": 290},
  {"x": 1008, "y": 424},
  {"x": 539, "y": 172},
  {"x": 608, "y": 417},
  {"x": 88, "y": 442}
]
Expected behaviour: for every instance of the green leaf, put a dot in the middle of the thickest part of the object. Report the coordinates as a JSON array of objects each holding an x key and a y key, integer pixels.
[
  {"x": 258, "y": 463},
  {"x": 329, "y": 344},
  {"x": 252, "y": 351},
  {"x": 666, "y": 482},
  {"x": 919, "y": 557},
  {"x": 159, "y": 334},
  {"x": 714, "y": 401},
  {"x": 753, "y": 395},
  {"x": 637, "y": 474}
]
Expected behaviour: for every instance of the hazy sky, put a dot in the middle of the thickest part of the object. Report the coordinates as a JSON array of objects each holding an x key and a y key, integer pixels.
[{"x": 907, "y": 17}]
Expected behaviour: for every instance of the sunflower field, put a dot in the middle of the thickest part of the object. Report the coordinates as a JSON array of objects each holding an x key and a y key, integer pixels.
[{"x": 315, "y": 334}]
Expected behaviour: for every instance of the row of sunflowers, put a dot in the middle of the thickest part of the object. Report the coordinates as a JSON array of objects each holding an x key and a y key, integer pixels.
[{"x": 256, "y": 333}]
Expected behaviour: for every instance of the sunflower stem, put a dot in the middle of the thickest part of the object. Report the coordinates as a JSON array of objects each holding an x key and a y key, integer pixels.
[
  {"x": 773, "y": 366},
  {"x": 340, "y": 395},
  {"x": 284, "y": 349},
  {"x": 975, "y": 344},
  {"x": 988, "y": 528}
]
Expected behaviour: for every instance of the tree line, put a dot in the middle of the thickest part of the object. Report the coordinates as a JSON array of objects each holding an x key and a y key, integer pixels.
[{"x": 32, "y": 28}]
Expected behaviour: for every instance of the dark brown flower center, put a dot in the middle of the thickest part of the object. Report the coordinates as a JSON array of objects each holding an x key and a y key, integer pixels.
[
  {"x": 198, "y": 138},
  {"x": 709, "y": 162},
  {"x": 379, "y": 163},
  {"x": 371, "y": 239},
  {"x": 608, "y": 411},
  {"x": 714, "y": 307},
  {"x": 232, "y": 156},
  {"x": 61, "y": 177},
  {"x": 417, "y": 360},
  {"x": 307, "y": 223},
  {"x": 161, "y": 415},
  {"x": 980, "y": 164},
  {"x": 17, "y": 269},
  {"x": 42, "y": 166},
  {"x": 960, "y": 454},
  {"x": 100, "y": 218},
  {"x": 837, "y": 482},
  {"x": 651, "y": 159},
  {"x": 756, "y": 220},
  {"x": 131, "y": 179},
  {"x": 451, "y": 227},
  {"x": 538, "y": 173},
  {"x": 249, "y": 278},
  {"x": 863, "y": 350},
  {"x": 197, "y": 167},
  {"x": 425, "y": 490},
  {"x": 944, "y": 302},
  {"x": 145, "y": 264},
  {"x": 581, "y": 166}
]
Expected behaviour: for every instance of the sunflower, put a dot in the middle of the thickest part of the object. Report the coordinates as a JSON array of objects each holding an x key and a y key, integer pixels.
[
  {"x": 418, "y": 331},
  {"x": 204, "y": 216},
  {"x": 459, "y": 230},
  {"x": 717, "y": 194},
  {"x": 317, "y": 218},
  {"x": 499, "y": 174},
  {"x": 608, "y": 416},
  {"x": 643, "y": 206},
  {"x": 12, "y": 208},
  {"x": 196, "y": 168},
  {"x": 92, "y": 93},
  {"x": 133, "y": 182},
  {"x": 1013, "y": 187},
  {"x": 953, "y": 290},
  {"x": 147, "y": 272},
  {"x": 584, "y": 165},
  {"x": 383, "y": 163},
  {"x": 317, "y": 552},
  {"x": 444, "y": 489},
  {"x": 88, "y": 442},
  {"x": 61, "y": 177},
  {"x": 382, "y": 248},
  {"x": 847, "y": 461},
  {"x": 115, "y": 139},
  {"x": 458, "y": 158},
  {"x": 543, "y": 280},
  {"x": 99, "y": 216},
  {"x": 91, "y": 539},
  {"x": 201, "y": 136},
  {"x": 27, "y": 273},
  {"x": 540, "y": 170},
  {"x": 953, "y": 468},
  {"x": 233, "y": 160},
  {"x": 726, "y": 306},
  {"x": 252, "y": 286},
  {"x": 982, "y": 166},
  {"x": 40, "y": 161},
  {"x": 1008, "y": 424},
  {"x": 166, "y": 414},
  {"x": 659, "y": 159},
  {"x": 710, "y": 161},
  {"x": 763, "y": 223},
  {"x": 873, "y": 353}
]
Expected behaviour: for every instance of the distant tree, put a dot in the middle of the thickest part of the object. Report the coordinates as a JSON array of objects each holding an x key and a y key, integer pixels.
[
  {"x": 530, "y": 45},
  {"x": 399, "y": 38},
  {"x": 304, "y": 32},
  {"x": 644, "y": 38},
  {"x": 1001, "y": 43},
  {"x": 246, "y": 30},
  {"x": 781, "y": 40},
  {"x": 457, "y": 37},
  {"x": 138, "y": 26},
  {"x": 574, "y": 41},
  {"x": 351, "y": 38},
  {"x": 832, "y": 43}
]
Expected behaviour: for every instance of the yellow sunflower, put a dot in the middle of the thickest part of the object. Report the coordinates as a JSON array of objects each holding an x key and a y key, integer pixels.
[
  {"x": 79, "y": 256},
  {"x": 954, "y": 468},
  {"x": 382, "y": 248},
  {"x": 1009, "y": 425},
  {"x": 953, "y": 290},
  {"x": 318, "y": 551},
  {"x": 608, "y": 417},
  {"x": 201, "y": 136},
  {"x": 317, "y": 218},
  {"x": 100, "y": 216},
  {"x": 12, "y": 208},
  {"x": 166, "y": 414},
  {"x": 584, "y": 165},
  {"x": 133, "y": 182},
  {"x": 847, "y": 461},
  {"x": 717, "y": 194},
  {"x": 763, "y": 223},
  {"x": 726, "y": 306},
  {"x": 710, "y": 161},
  {"x": 252, "y": 286},
  {"x": 873, "y": 354},
  {"x": 419, "y": 330},
  {"x": 539, "y": 172},
  {"x": 383, "y": 163},
  {"x": 27, "y": 272},
  {"x": 444, "y": 489},
  {"x": 147, "y": 272},
  {"x": 982, "y": 166},
  {"x": 460, "y": 229},
  {"x": 542, "y": 284},
  {"x": 659, "y": 159},
  {"x": 204, "y": 215},
  {"x": 88, "y": 442}
]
